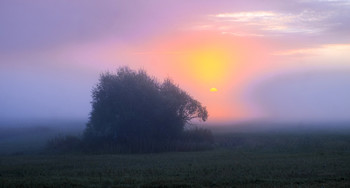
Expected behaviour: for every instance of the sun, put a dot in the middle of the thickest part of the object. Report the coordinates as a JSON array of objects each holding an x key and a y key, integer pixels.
[{"x": 213, "y": 89}]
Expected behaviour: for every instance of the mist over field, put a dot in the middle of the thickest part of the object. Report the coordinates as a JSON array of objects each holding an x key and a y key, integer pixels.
[
  {"x": 176, "y": 93},
  {"x": 31, "y": 136}
]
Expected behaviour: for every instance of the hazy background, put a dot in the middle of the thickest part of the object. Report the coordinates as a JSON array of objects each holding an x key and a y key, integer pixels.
[{"x": 271, "y": 61}]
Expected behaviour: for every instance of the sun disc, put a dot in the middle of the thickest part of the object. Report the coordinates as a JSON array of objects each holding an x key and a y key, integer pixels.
[{"x": 213, "y": 89}]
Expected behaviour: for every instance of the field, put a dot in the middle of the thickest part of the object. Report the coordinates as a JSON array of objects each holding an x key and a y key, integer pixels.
[{"x": 237, "y": 160}]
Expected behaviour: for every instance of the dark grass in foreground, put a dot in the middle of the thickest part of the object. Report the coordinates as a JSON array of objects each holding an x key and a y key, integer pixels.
[{"x": 239, "y": 160}]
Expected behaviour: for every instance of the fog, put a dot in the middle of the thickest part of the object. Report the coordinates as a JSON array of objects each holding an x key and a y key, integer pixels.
[
  {"x": 305, "y": 96},
  {"x": 36, "y": 93},
  {"x": 292, "y": 74}
]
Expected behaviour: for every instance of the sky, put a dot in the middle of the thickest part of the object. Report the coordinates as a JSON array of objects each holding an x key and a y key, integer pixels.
[{"x": 244, "y": 60}]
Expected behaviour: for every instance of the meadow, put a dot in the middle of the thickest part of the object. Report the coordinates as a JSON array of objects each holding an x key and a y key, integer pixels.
[{"x": 246, "y": 159}]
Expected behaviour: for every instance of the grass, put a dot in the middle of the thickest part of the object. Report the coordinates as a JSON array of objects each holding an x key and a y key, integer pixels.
[{"x": 247, "y": 159}]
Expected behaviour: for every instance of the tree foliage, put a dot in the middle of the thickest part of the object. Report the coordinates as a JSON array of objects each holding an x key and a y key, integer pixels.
[{"x": 130, "y": 107}]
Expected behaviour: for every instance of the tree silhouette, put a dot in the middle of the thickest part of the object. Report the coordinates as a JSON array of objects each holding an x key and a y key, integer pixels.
[{"x": 130, "y": 108}]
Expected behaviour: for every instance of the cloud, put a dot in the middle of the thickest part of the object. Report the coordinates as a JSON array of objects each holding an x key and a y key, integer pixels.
[
  {"x": 298, "y": 20},
  {"x": 333, "y": 2},
  {"x": 326, "y": 56},
  {"x": 239, "y": 34},
  {"x": 246, "y": 16},
  {"x": 277, "y": 22},
  {"x": 323, "y": 50}
]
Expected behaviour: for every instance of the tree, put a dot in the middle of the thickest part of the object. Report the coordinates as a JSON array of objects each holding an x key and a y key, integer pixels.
[{"x": 131, "y": 108}]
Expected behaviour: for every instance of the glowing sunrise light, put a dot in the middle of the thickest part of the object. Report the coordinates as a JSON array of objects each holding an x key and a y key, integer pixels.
[
  {"x": 213, "y": 89},
  {"x": 210, "y": 65}
]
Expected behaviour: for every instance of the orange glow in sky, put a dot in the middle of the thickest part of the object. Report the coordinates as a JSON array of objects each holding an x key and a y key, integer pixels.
[
  {"x": 252, "y": 52},
  {"x": 210, "y": 67},
  {"x": 210, "y": 64}
]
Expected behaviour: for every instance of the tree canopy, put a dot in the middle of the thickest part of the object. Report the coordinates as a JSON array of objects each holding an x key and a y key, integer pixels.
[{"x": 130, "y": 107}]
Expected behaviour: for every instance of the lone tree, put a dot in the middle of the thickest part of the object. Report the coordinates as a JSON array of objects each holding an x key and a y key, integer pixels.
[{"x": 131, "y": 109}]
